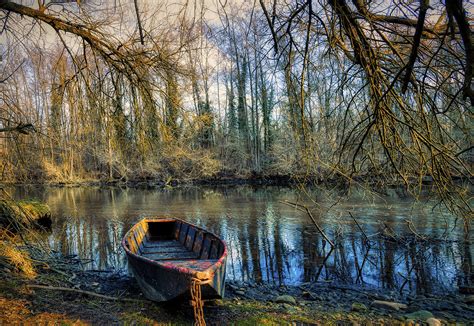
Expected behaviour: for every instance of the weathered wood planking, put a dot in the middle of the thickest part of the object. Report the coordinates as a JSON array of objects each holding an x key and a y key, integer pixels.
[{"x": 166, "y": 254}]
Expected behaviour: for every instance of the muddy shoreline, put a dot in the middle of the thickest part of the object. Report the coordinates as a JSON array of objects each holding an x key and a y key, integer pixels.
[
  {"x": 245, "y": 303},
  {"x": 450, "y": 307}
]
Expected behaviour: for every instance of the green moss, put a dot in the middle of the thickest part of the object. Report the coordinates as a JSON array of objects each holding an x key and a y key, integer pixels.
[
  {"x": 23, "y": 212},
  {"x": 133, "y": 318},
  {"x": 149, "y": 315},
  {"x": 248, "y": 312},
  {"x": 35, "y": 208},
  {"x": 259, "y": 320}
]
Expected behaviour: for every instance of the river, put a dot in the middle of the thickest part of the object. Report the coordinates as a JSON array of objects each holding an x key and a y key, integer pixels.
[{"x": 272, "y": 242}]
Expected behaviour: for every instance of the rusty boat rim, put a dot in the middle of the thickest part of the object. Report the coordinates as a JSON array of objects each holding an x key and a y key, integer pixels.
[{"x": 201, "y": 275}]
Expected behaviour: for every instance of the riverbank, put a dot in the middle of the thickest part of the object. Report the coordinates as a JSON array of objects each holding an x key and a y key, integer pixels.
[
  {"x": 245, "y": 304},
  {"x": 255, "y": 179},
  {"x": 221, "y": 180}
]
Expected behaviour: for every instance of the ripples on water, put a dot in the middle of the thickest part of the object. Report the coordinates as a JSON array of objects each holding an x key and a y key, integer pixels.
[{"x": 268, "y": 241}]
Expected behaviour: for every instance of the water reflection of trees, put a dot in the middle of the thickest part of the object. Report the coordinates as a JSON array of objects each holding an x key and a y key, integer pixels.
[{"x": 267, "y": 242}]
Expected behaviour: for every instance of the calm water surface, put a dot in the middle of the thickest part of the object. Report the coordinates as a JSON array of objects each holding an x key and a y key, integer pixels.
[{"x": 271, "y": 242}]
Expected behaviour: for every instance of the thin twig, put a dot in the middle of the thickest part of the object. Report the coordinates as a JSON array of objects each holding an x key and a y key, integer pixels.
[
  {"x": 303, "y": 208},
  {"x": 92, "y": 294},
  {"x": 412, "y": 228},
  {"x": 360, "y": 228}
]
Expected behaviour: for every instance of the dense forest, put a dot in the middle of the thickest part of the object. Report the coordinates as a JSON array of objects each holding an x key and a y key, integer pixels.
[{"x": 122, "y": 90}]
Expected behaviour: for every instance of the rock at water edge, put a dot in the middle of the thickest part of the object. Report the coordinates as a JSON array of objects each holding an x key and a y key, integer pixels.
[
  {"x": 388, "y": 305},
  {"x": 285, "y": 299}
]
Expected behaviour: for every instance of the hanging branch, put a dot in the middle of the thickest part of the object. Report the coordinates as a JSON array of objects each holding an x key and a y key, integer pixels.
[
  {"x": 140, "y": 28},
  {"x": 455, "y": 9},
  {"x": 116, "y": 55},
  {"x": 22, "y": 128},
  {"x": 416, "y": 43},
  {"x": 12, "y": 73}
]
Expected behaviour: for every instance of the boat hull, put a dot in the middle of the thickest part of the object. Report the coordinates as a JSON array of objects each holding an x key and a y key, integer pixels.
[
  {"x": 167, "y": 255},
  {"x": 162, "y": 284}
]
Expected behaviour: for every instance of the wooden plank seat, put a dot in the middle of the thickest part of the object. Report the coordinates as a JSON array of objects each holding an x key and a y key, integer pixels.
[
  {"x": 161, "y": 250},
  {"x": 167, "y": 250},
  {"x": 162, "y": 246},
  {"x": 171, "y": 256},
  {"x": 175, "y": 241},
  {"x": 199, "y": 265}
]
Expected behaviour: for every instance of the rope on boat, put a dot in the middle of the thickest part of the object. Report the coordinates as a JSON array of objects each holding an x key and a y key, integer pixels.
[{"x": 196, "y": 301}]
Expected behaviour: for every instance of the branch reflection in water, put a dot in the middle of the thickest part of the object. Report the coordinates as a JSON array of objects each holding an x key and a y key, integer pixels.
[{"x": 270, "y": 242}]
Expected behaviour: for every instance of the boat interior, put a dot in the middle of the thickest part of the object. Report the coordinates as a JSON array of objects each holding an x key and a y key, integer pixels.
[{"x": 176, "y": 241}]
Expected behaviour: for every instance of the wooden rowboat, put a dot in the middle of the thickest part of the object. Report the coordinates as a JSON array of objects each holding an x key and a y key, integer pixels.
[{"x": 166, "y": 255}]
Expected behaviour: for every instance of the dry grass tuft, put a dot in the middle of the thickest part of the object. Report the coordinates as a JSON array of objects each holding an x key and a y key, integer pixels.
[
  {"x": 13, "y": 257},
  {"x": 16, "y": 219},
  {"x": 183, "y": 163}
]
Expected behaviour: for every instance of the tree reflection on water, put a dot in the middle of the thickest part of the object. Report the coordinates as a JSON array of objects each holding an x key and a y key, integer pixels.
[{"x": 269, "y": 242}]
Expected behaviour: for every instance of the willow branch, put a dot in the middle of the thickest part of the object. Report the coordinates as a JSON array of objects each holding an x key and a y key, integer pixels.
[
  {"x": 456, "y": 10},
  {"x": 416, "y": 43}
]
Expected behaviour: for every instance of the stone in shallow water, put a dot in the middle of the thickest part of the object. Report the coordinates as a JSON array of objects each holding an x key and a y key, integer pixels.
[
  {"x": 419, "y": 315},
  {"x": 388, "y": 305},
  {"x": 285, "y": 299},
  {"x": 358, "y": 307},
  {"x": 233, "y": 287}
]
